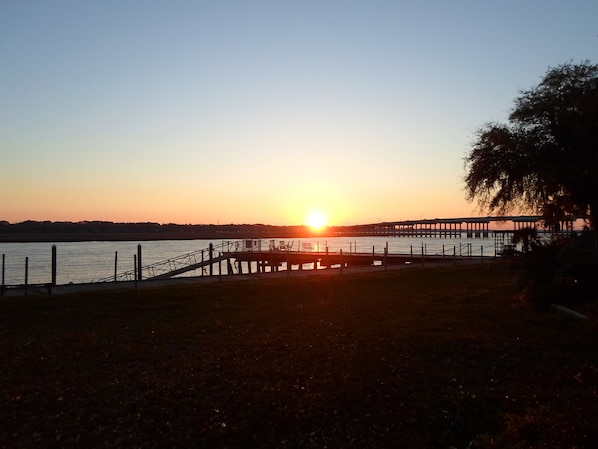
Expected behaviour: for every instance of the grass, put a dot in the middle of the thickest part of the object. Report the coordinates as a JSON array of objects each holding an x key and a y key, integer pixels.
[{"x": 414, "y": 358}]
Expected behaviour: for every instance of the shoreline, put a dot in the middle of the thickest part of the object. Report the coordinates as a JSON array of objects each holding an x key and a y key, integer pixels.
[{"x": 141, "y": 237}]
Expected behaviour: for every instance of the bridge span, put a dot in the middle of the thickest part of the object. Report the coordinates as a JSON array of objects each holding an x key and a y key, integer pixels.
[{"x": 471, "y": 227}]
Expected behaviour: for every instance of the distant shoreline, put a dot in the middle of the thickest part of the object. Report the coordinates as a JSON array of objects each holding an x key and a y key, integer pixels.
[
  {"x": 123, "y": 237},
  {"x": 100, "y": 237},
  {"x": 107, "y": 231}
]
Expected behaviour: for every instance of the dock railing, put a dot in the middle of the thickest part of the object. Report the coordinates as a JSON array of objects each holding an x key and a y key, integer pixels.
[{"x": 199, "y": 258}]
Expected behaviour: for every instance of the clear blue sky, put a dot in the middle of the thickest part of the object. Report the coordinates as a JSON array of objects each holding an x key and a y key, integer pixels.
[{"x": 262, "y": 111}]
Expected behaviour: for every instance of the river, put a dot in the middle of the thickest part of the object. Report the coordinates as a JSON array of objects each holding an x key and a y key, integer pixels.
[{"x": 82, "y": 262}]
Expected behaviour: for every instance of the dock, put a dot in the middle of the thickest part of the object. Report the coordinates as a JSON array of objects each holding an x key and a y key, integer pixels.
[
  {"x": 267, "y": 261},
  {"x": 254, "y": 256}
]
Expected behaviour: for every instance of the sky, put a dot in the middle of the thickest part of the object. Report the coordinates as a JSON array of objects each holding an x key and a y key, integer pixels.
[{"x": 214, "y": 112}]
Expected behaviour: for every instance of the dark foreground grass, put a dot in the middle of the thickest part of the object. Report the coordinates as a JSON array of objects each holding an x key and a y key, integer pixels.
[{"x": 414, "y": 358}]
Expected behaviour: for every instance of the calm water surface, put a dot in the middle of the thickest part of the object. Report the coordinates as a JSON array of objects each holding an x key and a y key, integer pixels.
[{"x": 81, "y": 262}]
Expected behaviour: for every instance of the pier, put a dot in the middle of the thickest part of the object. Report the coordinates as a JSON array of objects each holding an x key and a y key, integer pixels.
[{"x": 256, "y": 256}]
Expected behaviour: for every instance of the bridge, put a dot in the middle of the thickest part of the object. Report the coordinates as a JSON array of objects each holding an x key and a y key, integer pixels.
[{"x": 472, "y": 227}]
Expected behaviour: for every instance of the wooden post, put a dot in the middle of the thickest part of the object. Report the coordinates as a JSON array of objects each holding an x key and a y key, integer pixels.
[
  {"x": 211, "y": 257},
  {"x": 202, "y": 266},
  {"x": 26, "y": 275},
  {"x": 115, "y": 264},
  {"x": 3, "y": 284},
  {"x": 482, "y": 253},
  {"x": 139, "y": 276},
  {"x": 53, "y": 266},
  {"x": 342, "y": 262},
  {"x": 135, "y": 268}
]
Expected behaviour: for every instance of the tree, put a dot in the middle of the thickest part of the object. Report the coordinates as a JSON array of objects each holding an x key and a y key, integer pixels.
[{"x": 545, "y": 160}]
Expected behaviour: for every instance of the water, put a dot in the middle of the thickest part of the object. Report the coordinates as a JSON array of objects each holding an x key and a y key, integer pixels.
[{"x": 81, "y": 262}]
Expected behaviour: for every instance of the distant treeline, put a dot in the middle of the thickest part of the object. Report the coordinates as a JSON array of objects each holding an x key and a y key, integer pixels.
[{"x": 106, "y": 230}]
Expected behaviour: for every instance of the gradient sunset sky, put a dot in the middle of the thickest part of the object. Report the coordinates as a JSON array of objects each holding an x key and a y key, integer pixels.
[{"x": 262, "y": 111}]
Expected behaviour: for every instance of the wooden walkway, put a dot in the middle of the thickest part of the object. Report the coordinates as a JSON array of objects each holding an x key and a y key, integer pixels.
[{"x": 264, "y": 261}]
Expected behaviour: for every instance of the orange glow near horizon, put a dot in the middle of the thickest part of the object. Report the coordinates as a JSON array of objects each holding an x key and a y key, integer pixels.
[{"x": 317, "y": 220}]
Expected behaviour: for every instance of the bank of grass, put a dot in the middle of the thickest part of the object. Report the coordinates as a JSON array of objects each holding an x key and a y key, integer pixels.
[{"x": 412, "y": 358}]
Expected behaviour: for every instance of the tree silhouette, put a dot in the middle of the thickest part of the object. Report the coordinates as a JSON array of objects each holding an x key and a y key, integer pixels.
[{"x": 545, "y": 159}]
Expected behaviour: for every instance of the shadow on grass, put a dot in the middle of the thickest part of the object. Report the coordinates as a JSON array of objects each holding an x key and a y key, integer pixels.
[{"x": 433, "y": 357}]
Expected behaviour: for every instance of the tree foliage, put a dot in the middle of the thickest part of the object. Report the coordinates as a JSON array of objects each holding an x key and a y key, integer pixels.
[{"x": 545, "y": 159}]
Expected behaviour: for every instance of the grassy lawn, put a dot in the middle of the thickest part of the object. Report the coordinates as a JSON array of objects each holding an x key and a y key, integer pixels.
[{"x": 412, "y": 358}]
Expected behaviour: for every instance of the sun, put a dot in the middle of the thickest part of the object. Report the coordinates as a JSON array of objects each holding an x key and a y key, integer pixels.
[{"x": 317, "y": 220}]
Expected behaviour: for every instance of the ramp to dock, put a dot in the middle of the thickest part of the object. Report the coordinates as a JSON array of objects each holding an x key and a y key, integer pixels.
[{"x": 178, "y": 265}]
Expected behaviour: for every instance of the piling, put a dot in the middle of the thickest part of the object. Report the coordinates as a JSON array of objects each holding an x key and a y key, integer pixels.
[
  {"x": 3, "y": 284},
  {"x": 115, "y": 265},
  {"x": 139, "y": 262},
  {"x": 135, "y": 268},
  {"x": 26, "y": 275},
  {"x": 53, "y": 266}
]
